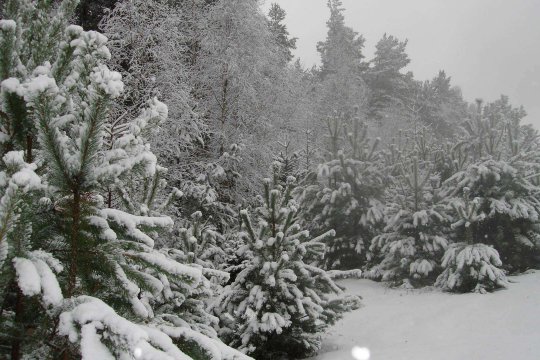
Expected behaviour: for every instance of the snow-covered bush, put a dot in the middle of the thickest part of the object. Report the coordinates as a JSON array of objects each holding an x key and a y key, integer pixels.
[
  {"x": 200, "y": 242},
  {"x": 471, "y": 267},
  {"x": 279, "y": 305}
]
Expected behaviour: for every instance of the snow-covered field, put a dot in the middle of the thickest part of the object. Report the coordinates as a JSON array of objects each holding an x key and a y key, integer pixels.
[{"x": 431, "y": 325}]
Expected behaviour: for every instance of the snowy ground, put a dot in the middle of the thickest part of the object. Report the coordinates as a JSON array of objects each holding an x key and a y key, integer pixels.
[{"x": 431, "y": 325}]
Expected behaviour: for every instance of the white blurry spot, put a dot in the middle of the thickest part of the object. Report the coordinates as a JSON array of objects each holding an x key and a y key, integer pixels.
[
  {"x": 360, "y": 353},
  {"x": 137, "y": 352}
]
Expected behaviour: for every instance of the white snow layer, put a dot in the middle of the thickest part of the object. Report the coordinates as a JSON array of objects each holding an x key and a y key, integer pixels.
[
  {"x": 35, "y": 276},
  {"x": 428, "y": 324},
  {"x": 28, "y": 277}
]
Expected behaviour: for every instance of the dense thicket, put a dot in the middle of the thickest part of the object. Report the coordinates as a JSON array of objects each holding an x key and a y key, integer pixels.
[
  {"x": 81, "y": 275},
  {"x": 132, "y": 227}
]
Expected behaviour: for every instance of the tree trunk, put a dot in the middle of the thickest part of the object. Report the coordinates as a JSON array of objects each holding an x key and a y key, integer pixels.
[
  {"x": 29, "y": 145},
  {"x": 19, "y": 307},
  {"x": 75, "y": 225}
]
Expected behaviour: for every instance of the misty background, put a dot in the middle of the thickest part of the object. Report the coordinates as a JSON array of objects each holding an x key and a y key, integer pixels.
[{"x": 488, "y": 47}]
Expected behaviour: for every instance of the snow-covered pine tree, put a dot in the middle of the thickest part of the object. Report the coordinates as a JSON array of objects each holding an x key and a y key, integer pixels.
[
  {"x": 346, "y": 195},
  {"x": 341, "y": 86},
  {"x": 69, "y": 244},
  {"x": 276, "y": 17},
  {"x": 279, "y": 305},
  {"x": 413, "y": 240},
  {"x": 178, "y": 310},
  {"x": 508, "y": 199},
  {"x": 22, "y": 270},
  {"x": 197, "y": 242},
  {"x": 500, "y": 168},
  {"x": 470, "y": 266}
]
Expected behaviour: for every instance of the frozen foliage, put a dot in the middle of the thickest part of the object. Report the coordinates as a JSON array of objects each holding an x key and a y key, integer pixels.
[
  {"x": 494, "y": 163},
  {"x": 244, "y": 91},
  {"x": 36, "y": 277},
  {"x": 211, "y": 187},
  {"x": 150, "y": 46},
  {"x": 346, "y": 196},
  {"x": 28, "y": 277},
  {"x": 61, "y": 96},
  {"x": 413, "y": 240},
  {"x": 504, "y": 193},
  {"x": 279, "y": 305},
  {"x": 201, "y": 244},
  {"x": 92, "y": 323},
  {"x": 471, "y": 267},
  {"x": 468, "y": 266},
  {"x": 17, "y": 181},
  {"x": 92, "y": 264}
]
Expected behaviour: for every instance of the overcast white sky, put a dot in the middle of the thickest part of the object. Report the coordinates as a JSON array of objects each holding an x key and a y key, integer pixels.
[{"x": 489, "y": 47}]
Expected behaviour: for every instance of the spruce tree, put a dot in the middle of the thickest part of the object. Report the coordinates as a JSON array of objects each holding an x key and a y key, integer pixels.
[{"x": 280, "y": 304}]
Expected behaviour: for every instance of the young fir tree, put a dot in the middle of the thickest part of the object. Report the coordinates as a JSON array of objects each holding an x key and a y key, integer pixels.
[
  {"x": 469, "y": 265},
  {"x": 279, "y": 305},
  {"x": 508, "y": 199},
  {"x": 286, "y": 163},
  {"x": 140, "y": 192},
  {"x": 346, "y": 195},
  {"x": 501, "y": 170},
  {"x": 60, "y": 240},
  {"x": 211, "y": 188},
  {"x": 413, "y": 240}
]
